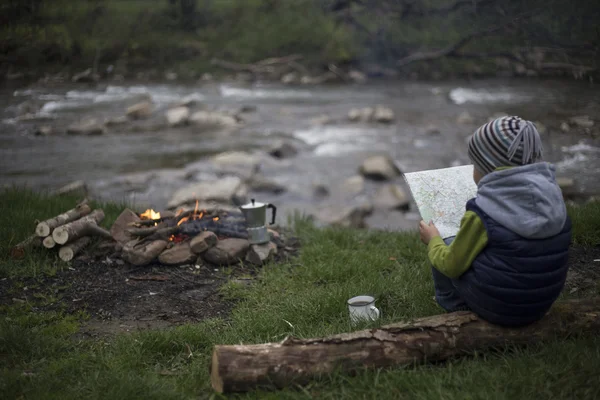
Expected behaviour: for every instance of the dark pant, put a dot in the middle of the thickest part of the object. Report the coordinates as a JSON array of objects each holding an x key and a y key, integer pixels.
[{"x": 446, "y": 293}]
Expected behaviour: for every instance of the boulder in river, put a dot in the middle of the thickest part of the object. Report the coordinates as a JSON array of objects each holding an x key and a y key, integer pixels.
[
  {"x": 261, "y": 184},
  {"x": 88, "y": 127},
  {"x": 345, "y": 217},
  {"x": 44, "y": 130},
  {"x": 379, "y": 168},
  {"x": 357, "y": 76},
  {"x": 582, "y": 121},
  {"x": 178, "y": 116},
  {"x": 116, "y": 121},
  {"x": 291, "y": 78},
  {"x": 379, "y": 114},
  {"x": 283, "y": 150},
  {"x": 353, "y": 185},
  {"x": 391, "y": 197},
  {"x": 140, "y": 110},
  {"x": 383, "y": 115},
  {"x": 222, "y": 190}
]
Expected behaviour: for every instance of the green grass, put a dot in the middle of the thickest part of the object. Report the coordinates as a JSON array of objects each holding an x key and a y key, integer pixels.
[
  {"x": 23, "y": 209},
  {"x": 42, "y": 359}
]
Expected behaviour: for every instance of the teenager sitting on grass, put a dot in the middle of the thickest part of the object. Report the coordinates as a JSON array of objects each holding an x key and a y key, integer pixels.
[{"x": 508, "y": 261}]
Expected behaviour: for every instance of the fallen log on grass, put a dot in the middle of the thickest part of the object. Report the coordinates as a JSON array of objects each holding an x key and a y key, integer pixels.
[
  {"x": 45, "y": 228},
  {"x": 68, "y": 252},
  {"x": 20, "y": 249},
  {"x": 86, "y": 226},
  {"x": 239, "y": 368}
]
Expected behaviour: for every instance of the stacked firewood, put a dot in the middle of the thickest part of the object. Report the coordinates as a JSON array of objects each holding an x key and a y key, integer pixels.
[{"x": 70, "y": 232}]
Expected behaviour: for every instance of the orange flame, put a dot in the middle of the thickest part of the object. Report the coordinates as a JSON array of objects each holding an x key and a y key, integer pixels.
[
  {"x": 215, "y": 218},
  {"x": 150, "y": 214},
  {"x": 196, "y": 214}
]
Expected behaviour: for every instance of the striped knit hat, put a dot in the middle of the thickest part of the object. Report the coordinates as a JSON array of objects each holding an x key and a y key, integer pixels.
[{"x": 505, "y": 142}]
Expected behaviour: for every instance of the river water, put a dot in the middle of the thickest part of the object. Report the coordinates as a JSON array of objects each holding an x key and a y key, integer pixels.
[{"x": 144, "y": 166}]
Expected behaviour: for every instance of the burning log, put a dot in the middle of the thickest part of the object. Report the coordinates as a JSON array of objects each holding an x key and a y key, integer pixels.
[
  {"x": 19, "y": 250},
  {"x": 45, "y": 228},
  {"x": 68, "y": 252},
  {"x": 230, "y": 226},
  {"x": 49, "y": 242},
  {"x": 86, "y": 226},
  {"x": 297, "y": 361}
]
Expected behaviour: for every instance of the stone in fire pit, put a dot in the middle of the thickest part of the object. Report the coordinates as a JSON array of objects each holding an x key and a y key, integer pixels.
[{"x": 209, "y": 236}]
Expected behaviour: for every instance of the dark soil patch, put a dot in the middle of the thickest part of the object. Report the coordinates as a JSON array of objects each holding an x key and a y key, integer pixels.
[
  {"x": 584, "y": 271},
  {"x": 121, "y": 298}
]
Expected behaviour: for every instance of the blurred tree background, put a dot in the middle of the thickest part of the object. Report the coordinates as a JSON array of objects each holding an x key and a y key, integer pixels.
[{"x": 395, "y": 34}]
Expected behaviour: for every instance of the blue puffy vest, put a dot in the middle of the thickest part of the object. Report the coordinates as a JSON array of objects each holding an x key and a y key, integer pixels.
[{"x": 514, "y": 281}]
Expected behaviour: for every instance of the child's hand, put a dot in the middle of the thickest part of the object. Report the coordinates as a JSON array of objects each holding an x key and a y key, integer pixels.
[{"x": 428, "y": 232}]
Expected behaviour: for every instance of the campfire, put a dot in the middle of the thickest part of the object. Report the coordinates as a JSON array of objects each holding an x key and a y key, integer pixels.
[{"x": 196, "y": 236}]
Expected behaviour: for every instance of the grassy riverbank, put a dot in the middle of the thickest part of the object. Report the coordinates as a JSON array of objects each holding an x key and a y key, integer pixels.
[
  {"x": 184, "y": 35},
  {"x": 45, "y": 357}
]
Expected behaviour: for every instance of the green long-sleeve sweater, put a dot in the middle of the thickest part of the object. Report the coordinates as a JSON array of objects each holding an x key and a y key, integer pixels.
[{"x": 456, "y": 259}]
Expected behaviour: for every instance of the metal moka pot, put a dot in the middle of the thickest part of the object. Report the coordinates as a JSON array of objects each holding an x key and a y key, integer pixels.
[{"x": 255, "y": 214}]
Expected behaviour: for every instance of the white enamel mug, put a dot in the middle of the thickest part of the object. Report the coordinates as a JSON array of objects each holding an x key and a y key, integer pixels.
[{"x": 363, "y": 308}]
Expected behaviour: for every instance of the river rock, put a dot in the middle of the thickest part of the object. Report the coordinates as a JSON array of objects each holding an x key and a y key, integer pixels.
[
  {"x": 258, "y": 254},
  {"x": 180, "y": 253},
  {"x": 261, "y": 184},
  {"x": 541, "y": 128},
  {"x": 582, "y": 121},
  {"x": 227, "y": 252},
  {"x": 320, "y": 191},
  {"x": 465, "y": 118},
  {"x": 283, "y": 150},
  {"x": 117, "y": 121},
  {"x": 86, "y": 76},
  {"x": 88, "y": 128},
  {"x": 221, "y": 190},
  {"x": 122, "y": 224},
  {"x": 177, "y": 116},
  {"x": 140, "y": 111},
  {"x": 203, "y": 241},
  {"x": 44, "y": 130},
  {"x": 345, "y": 217},
  {"x": 357, "y": 76},
  {"x": 291, "y": 78},
  {"x": 379, "y": 168},
  {"x": 213, "y": 118},
  {"x": 360, "y": 114},
  {"x": 567, "y": 186},
  {"x": 353, "y": 185},
  {"x": 384, "y": 115},
  {"x": 391, "y": 197}
]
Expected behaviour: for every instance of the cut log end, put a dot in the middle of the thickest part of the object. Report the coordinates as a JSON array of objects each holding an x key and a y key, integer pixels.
[
  {"x": 49, "y": 242},
  {"x": 42, "y": 229},
  {"x": 60, "y": 235},
  {"x": 215, "y": 378},
  {"x": 68, "y": 252}
]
